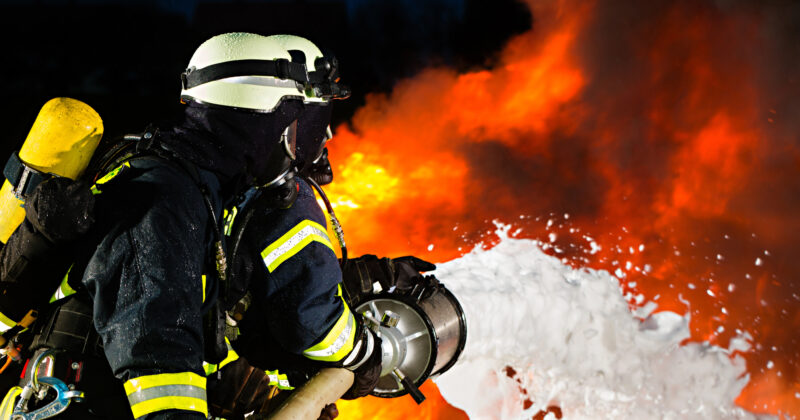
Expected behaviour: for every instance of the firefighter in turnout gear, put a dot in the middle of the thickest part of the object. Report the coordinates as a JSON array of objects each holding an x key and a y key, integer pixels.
[
  {"x": 147, "y": 273},
  {"x": 285, "y": 293}
]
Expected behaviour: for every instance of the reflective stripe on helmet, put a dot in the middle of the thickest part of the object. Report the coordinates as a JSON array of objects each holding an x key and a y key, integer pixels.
[
  {"x": 293, "y": 241},
  {"x": 167, "y": 391}
]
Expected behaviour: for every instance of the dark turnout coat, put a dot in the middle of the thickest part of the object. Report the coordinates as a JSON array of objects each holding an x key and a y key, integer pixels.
[
  {"x": 147, "y": 264},
  {"x": 285, "y": 261}
]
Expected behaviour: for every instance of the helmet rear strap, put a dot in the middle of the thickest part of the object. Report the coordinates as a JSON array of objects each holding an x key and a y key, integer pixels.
[{"x": 280, "y": 68}]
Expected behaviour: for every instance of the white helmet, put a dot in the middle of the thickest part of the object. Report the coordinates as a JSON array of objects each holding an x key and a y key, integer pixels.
[
  {"x": 243, "y": 70},
  {"x": 312, "y": 130},
  {"x": 323, "y": 70}
]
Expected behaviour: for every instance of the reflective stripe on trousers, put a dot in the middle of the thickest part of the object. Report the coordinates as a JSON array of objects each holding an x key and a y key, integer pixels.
[{"x": 167, "y": 391}]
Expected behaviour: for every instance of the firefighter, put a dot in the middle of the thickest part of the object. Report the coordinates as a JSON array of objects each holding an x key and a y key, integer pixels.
[
  {"x": 148, "y": 270},
  {"x": 283, "y": 262},
  {"x": 286, "y": 294}
]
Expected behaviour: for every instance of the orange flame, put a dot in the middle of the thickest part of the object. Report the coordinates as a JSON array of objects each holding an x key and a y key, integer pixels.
[{"x": 633, "y": 140}]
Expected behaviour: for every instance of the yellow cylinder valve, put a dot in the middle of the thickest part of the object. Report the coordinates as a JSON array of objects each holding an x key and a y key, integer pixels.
[{"x": 61, "y": 142}]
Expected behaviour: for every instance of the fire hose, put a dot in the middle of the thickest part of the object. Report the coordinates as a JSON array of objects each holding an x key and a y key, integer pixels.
[{"x": 423, "y": 332}]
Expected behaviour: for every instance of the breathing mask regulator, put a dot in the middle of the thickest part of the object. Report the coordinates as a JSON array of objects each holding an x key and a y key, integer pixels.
[{"x": 301, "y": 149}]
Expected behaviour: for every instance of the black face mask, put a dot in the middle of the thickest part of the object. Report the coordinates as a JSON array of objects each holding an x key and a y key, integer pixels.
[
  {"x": 246, "y": 143},
  {"x": 321, "y": 171},
  {"x": 311, "y": 135}
]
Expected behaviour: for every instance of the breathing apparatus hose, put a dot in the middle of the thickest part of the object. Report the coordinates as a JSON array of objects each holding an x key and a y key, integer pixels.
[{"x": 337, "y": 227}]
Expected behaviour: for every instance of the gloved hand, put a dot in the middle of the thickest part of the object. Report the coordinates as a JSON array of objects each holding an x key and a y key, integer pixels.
[
  {"x": 61, "y": 209},
  {"x": 330, "y": 412},
  {"x": 369, "y": 372},
  {"x": 408, "y": 271},
  {"x": 359, "y": 275}
]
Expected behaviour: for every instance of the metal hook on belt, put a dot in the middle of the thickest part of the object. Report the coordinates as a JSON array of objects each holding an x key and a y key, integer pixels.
[
  {"x": 35, "y": 366},
  {"x": 63, "y": 398}
]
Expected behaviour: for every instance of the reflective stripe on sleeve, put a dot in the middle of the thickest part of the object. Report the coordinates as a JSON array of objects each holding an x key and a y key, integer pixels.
[
  {"x": 167, "y": 391},
  {"x": 293, "y": 241},
  {"x": 338, "y": 343}
]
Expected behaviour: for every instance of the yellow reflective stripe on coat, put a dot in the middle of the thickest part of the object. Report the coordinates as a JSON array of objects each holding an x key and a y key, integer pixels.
[
  {"x": 108, "y": 177},
  {"x": 63, "y": 290},
  {"x": 339, "y": 341},
  {"x": 231, "y": 357},
  {"x": 6, "y": 323},
  {"x": 278, "y": 379},
  {"x": 203, "y": 285},
  {"x": 293, "y": 241},
  {"x": 167, "y": 391},
  {"x": 229, "y": 217}
]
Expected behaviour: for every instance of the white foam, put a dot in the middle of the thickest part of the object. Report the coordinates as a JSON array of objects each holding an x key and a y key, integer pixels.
[{"x": 574, "y": 343}]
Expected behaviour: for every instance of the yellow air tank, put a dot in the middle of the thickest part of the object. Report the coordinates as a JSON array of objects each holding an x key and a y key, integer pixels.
[{"x": 61, "y": 142}]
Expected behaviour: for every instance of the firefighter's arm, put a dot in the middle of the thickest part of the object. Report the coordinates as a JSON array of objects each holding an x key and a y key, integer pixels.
[
  {"x": 351, "y": 345},
  {"x": 148, "y": 290},
  {"x": 309, "y": 313}
]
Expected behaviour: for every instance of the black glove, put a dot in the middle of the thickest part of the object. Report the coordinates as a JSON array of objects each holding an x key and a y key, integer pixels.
[
  {"x": 61, "y": 209},
  {"x": 408, "y": 271},
  {"x": 369, "y": 372},
  {"x": 330, "y": 412},
  {"x": 359, "y": 275}
]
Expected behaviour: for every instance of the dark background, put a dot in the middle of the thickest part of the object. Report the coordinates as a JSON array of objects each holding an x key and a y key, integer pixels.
[{"x": 124, "y": 58}]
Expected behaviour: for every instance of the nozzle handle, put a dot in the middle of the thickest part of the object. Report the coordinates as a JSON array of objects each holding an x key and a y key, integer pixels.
[{"x": 409, "y": 386}]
